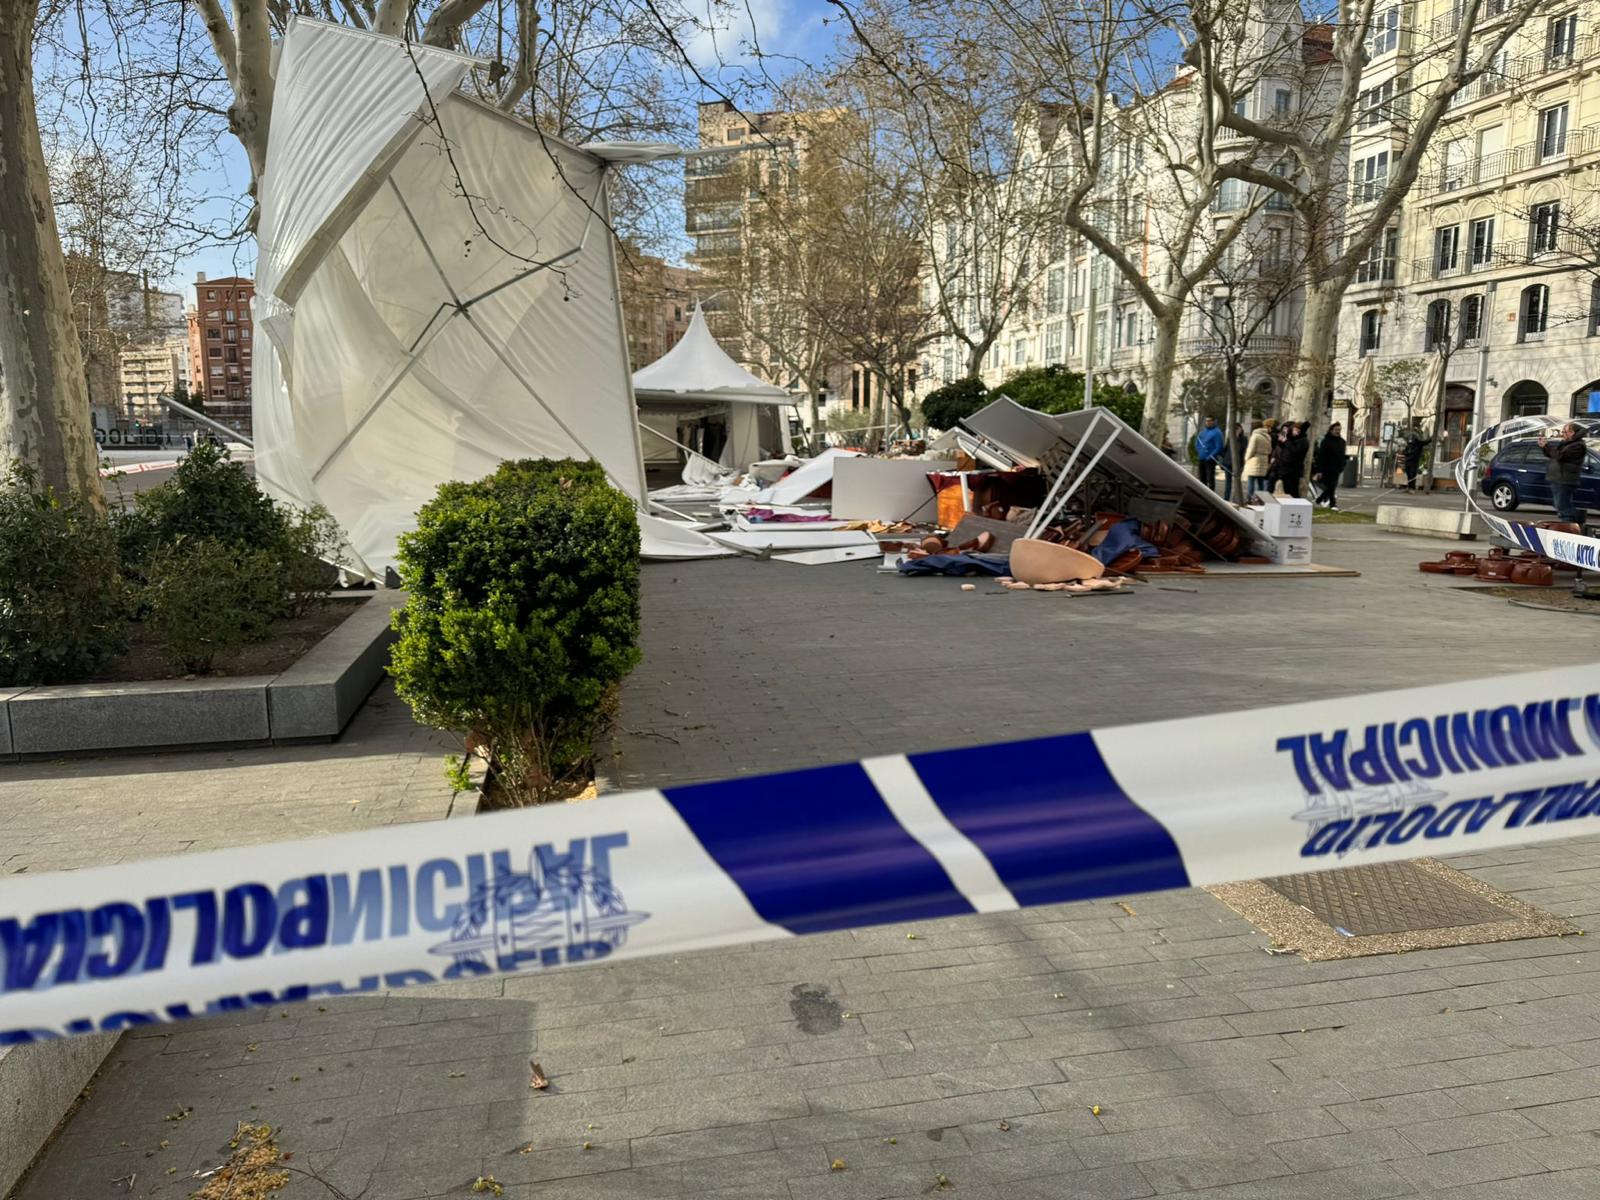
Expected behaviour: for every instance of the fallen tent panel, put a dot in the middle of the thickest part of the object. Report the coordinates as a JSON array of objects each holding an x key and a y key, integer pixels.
[
  {"x": 781, "y": 539},
  {"x": 886, "y": 489},
  {"x": 817, "y": 558},
  {"x": 805, "y": 479}
]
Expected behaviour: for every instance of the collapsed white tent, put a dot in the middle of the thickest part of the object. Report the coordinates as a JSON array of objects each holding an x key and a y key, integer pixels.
[
  {"x": 698, "y": 377},
  {"x": 436, "y": 290}
]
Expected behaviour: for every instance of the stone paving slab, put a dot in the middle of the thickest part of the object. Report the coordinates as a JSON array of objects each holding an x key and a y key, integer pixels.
[{"x": 980, "y": 1050}]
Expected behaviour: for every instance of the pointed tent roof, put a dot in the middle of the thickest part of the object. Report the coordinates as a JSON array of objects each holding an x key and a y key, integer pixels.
[{"x": 697, "y": 368}]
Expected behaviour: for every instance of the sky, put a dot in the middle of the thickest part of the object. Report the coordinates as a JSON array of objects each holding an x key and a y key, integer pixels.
[{"x": 793, "y": 29}]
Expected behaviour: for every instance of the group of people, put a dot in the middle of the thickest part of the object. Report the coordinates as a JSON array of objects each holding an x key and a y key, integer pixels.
[{"x": 1273, "y": 454}]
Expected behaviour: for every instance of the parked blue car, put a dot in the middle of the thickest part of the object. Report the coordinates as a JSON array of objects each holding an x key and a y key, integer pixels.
[{"x": 1516, "y": 477}]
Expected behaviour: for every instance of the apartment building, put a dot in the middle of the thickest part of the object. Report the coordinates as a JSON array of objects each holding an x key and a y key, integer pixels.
[
  {"x": 1489, "y": 271},
  {"x": 221, "y": 345},
  {"x": 657, "y": 302},
  {"x": 151, "y": 371},
  {"x": 1245, "y": 311}
]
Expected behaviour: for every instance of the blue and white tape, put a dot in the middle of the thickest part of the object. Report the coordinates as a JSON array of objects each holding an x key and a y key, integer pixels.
[
  {"x": 1578, "y": 550},
  {"x": 1372, "y": 778}
]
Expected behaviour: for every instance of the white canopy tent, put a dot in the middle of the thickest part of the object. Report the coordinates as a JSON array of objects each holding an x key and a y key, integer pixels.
[
  {"x": 436, "y": 293},
  {"x": 696, "y": 376}
]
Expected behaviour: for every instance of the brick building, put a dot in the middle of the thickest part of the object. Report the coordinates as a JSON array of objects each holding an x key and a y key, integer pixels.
[{"x": 221, "y": 341}]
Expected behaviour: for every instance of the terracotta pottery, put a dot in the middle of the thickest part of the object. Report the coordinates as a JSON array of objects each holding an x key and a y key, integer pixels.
[
  {"x": 1495, "y": 568},
  {"x": 1033, "y": 561},
  {"x": 1534, "y": 574}
]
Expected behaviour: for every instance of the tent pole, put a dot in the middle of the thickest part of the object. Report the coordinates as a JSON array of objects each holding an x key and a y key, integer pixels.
[
  {"x": 1034, "y": 526},
  {"x": 388, "y": 390},
  {"x": 1082, "y": 475}
]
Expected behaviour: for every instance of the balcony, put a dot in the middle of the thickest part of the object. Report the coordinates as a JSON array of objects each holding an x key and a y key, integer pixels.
[
  {"x": 1491, "y": 168},
  {"x": 1447, "y": 25},
  {"x": 1256, "y": 344},
  {"x": 711, "y": 221},
  {"x": 707, "y": 168}
]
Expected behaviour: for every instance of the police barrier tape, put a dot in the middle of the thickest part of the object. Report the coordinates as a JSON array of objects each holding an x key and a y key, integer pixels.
[
  {"x": 1373, "y": 778},
  {"x": 1578, "y": 550}
]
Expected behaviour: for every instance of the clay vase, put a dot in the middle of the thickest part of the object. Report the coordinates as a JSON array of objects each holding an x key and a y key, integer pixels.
[{"x": 1033, "y": 561}]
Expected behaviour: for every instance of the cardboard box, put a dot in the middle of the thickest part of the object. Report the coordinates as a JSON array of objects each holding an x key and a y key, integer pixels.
[
  {"x": 1286, "y": 517},
  {"x": 1291, "y": 551}
]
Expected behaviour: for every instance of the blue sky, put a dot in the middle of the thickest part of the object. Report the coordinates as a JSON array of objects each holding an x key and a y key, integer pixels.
[{"x": 795, "y": 29}]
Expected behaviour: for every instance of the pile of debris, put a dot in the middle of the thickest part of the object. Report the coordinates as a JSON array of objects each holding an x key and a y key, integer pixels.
[
  {"x": 987, "y": 496},
  {"x": 1501, "y": 566}
]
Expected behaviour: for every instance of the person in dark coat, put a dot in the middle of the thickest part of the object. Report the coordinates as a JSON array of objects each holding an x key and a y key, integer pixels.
[
  {"x": 1564, "y": 467},
  {"x": 1328, "y": 465},
  {"x": 1275, "y": 461},
  {"x": 1292, "y": 458},
  {"x": 1411, "y": 456}
]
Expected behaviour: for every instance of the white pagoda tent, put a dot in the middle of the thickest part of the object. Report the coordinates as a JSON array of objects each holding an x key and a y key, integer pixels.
[{"x": 695, "y": 390}]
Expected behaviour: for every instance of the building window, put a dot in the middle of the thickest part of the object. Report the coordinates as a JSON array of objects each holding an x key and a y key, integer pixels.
[
  {"x": 1130, "y": 328},
  {"x": 994, "y": 355},
  {"x": 1276, "y": 200},
  {"x": 1470, "y": 323},
  {"x": 1534, "y": 313},
  {"x": 948, "y": 363},
  {"x": 1482, "y": 231},
  {"x": 1282, "y": 102},
  {"x": 1552, "y": 132},
  {"x": 233, "y": 335},
  {"x": 1272, "y": 251},
  {"x": 1544, "y": 224},
  {"x": 1052, "y": 344},
  {"x": 244, "y": 333},
  {"x": 1594, "y": 309},
  {"x": 214, "y": 352},
  {"x": 1371, "y": 332},
  {"x": 213, "y": 334},
  {"x": 213, "y": 314},
  {"x": 1373, "y": 104},
  {"x": 211, "y": 294},
  {"x": 1384, "y": 34},
  {"x": 1055, "y": 286},
  {"x": 1561, "y": 37},
  {"x": 1019, "y": 352},
  {"x": 1378, "y": 266},
  {"x": 1446, "y": 250},
  {"x": 1371, "y": 177},
  {"x": 1436, "y": 333}
]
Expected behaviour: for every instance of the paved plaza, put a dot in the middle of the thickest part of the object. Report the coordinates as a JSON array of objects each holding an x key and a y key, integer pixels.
[{"x": 1108, "y": 1050}]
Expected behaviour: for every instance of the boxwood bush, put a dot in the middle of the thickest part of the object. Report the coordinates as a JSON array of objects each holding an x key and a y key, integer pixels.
[
  {"x": 62, "y": 600},
  {"x": 522, "y": 617}
]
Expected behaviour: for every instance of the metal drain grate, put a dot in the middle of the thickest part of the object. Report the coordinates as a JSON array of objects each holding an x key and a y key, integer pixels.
[{"x": 1385, "y": 898}]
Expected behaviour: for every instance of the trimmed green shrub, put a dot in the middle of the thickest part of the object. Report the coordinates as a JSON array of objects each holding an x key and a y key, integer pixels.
[
  {"x": 523, "y": 617},
  {"x": 312, "y": 552},
  {"x": 206, "y": 596},
  {"x": 943, "y": 407},
  {"x": 62, "y": 610},
  {"x": 210, "y": 496}
]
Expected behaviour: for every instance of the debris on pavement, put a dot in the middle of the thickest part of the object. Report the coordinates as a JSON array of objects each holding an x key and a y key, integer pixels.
[
  {"x": 539, "y": 1081},
  {"x": 253, "y": 1170},
  {"x": 1526, "y": 567}
]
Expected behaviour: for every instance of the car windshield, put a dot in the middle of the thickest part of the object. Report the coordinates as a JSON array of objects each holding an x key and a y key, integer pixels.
[{"x": 1530, "y": 447}]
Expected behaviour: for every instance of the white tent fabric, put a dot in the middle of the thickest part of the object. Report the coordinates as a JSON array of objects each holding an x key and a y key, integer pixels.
[
  {"x": 698, "y": 367},
  {"x": 429, "y": 306}
]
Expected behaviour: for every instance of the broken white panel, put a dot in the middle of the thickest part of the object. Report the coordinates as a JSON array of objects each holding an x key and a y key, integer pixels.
[
  {"x": 807, "y": 478},
  {"x": 817, "y": 558},
  {"x": 1023, "y": 433},
  {"x": 745, "y": 525},
  {"x": 886, "y": 489},
  {"x": 660, "y": 538},
  {"x": 779, "y": 539}
]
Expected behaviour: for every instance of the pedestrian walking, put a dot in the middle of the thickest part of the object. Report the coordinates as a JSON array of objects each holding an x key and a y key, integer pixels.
[
  {"x": 1328, "y": 465},
  {"x": 1258, "y": 457},
  {"x": 1292, "y": 458},
  {"x": 1207, "y": 446},
  {"x": 1280, "y": 439},
  {"x": 1564, "y": 467},
  {"x": 1411, "y": 456}
]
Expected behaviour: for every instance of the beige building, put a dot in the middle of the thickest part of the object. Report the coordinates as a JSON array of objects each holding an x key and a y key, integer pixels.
[
  {"x": 150, "y": 371},
  {"x": 657, "y": 302},
  {"x": 1489, "y": 271},
  {"x": 1246, "y": 310}
]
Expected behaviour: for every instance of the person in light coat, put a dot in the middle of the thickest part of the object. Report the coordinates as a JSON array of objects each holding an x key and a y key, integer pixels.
[{"x": 1258, "y": 457}]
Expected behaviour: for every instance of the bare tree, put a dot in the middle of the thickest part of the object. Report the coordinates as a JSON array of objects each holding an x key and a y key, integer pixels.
[
  {"x": 955, "y": 117},
  {"x": 1340, "y": 231},
  {"x": 44, "y": 417}
]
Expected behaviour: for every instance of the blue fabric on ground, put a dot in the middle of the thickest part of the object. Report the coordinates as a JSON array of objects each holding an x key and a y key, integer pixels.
[
  {"x": 957, "y": 564},
  {"x": 1119, "y": 538}
]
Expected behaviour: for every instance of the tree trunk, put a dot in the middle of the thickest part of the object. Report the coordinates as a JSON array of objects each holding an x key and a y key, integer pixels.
[
  {"x": 1319, "y": 325},
  {"x": 813, "y": 409},
  {"x": 1163, "y": 362},
  {"x": 975, "y": 355},
  {"x": 44, "y": 399}
]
